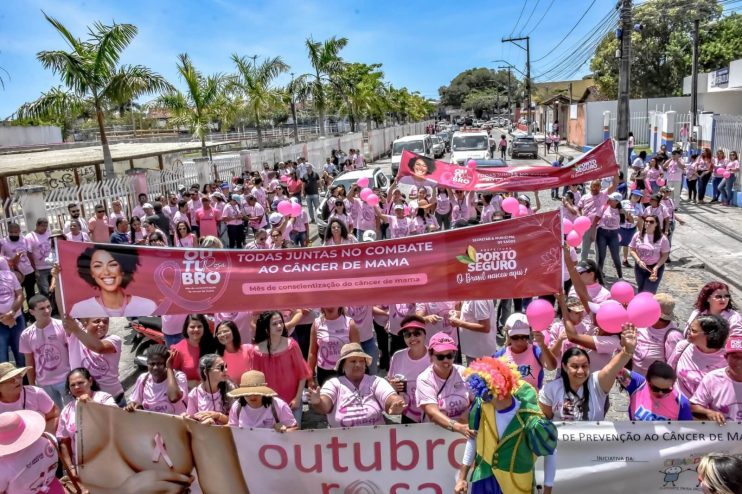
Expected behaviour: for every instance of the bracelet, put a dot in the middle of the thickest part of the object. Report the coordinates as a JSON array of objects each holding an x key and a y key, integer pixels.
[{"x": 451, "y": 423}]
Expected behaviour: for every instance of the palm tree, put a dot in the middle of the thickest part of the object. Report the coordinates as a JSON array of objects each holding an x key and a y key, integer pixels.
[
  {"x": 298, "y": 90},
  {"x": 326, "y": 62},
  {"x": 198, "y": 104},
  {"x": 93, "y": 78},
  {"x": 359, "y": 89},
  {"x": 254, "y": 82}
]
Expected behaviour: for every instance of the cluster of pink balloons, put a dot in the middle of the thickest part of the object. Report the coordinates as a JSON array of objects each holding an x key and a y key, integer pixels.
[
  {"x": 576, "y": 229},
  {"x": 641, "y": 310},
  {"x": 511, "y": 206},
  {"x": 723, "y": 172},
  {"x": 367, "y": 194},
  {"x": 289, "y": 208}
]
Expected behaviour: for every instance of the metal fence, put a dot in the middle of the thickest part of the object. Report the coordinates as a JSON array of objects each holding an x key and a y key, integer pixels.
[
  {"x": 638, "y": 125},
  {"x": 728, "y": 133},
  {"x": 12, "y": 212}
]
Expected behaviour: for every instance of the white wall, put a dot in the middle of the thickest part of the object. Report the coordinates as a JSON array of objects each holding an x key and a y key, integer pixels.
[
  {"x": 595, "y": 109},
  {"x": 28, "y": 136}
]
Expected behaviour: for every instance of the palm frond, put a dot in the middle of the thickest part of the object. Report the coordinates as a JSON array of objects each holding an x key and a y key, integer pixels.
[
  {"x": 70, "y": 66},
  {"x": 53, "y": 103},
  {"x": 74, "y": 43},
  {"x": 111, "y": 41},
  {"x": 132, "y": 81}
]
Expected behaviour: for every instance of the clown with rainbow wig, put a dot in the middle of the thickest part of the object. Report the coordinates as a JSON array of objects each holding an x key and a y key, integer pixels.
[{"x": 511, "y": 433}]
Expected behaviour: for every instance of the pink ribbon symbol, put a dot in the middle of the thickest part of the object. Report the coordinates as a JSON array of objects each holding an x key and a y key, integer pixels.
[
  {"x": 160, "y": 452},
  {"x": 172, "y": 291}
]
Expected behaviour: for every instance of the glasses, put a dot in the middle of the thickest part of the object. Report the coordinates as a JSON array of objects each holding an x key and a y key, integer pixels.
[
  {"x": 723, "y": 296},
  {"x": 220, "y": 368},
  {"x": 519, "y": 337},
  {"x": 414, "y": 332},
  {"x": 650, "y": 222},
  {"x": 444, "y": 356},
  {"x": 275, "y": 235}
]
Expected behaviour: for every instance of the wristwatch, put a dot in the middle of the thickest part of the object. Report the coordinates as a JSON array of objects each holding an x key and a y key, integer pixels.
[{"x": 451, "y": 423}]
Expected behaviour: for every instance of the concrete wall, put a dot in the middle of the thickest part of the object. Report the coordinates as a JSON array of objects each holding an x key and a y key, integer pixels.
[
  {"x": 29, "y": 136},
  {"x": 577, "y": 128},
  {"x": 726, "y": 103}
]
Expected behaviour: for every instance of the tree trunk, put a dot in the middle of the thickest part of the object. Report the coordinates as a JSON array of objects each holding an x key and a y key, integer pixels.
[
  {"x": 260, "y": 134},
  {"x": 352, "y": 122},
  {"x": 107, "y": 160},
  {"x": 296, "y": 124},
  {"x": 204, "y": 152},
  {"x": 321, "y": 113}
]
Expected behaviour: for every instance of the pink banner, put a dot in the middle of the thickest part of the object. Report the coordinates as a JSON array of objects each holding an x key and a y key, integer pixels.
[{"x": 597, "y": 163}]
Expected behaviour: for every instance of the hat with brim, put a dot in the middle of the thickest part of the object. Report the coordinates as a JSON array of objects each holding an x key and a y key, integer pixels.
[
  {"x": 19, "y": 430},
  {"x": 252, "y": 383},
  {"x": 667, "y": 306},
  {"x": 8, "y": 371},
  {"x": 352, "y": 350},
  {"x": 413, "y": 325},
  {"x": 575, "y": 304},
  {"x": 517, "y": 324}
]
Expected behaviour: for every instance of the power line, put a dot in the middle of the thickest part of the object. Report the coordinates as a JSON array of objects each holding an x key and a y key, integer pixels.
[
  {"x": 542, "y": 18},
  {"x": 519, "y": 16},
  {"x": 570, "y": 32},
  {"x": 533, "y": 10}
]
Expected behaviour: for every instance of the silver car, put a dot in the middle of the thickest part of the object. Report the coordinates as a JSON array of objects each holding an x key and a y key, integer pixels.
[
  {"x": 439, "y": 147},
  {"x": 523, "y": 146}
]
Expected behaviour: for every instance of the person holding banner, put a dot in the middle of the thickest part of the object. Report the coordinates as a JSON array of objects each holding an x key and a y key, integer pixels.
[
  {"x": 330, "y": 331},
  {"x": 719, "y": 396},
  {"x": 578, "y": 394}
]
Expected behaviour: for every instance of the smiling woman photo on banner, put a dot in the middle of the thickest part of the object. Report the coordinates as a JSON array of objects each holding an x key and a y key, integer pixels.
[
  {"x": 421, "y": 166},
  {"x": 109, "y": 271}
]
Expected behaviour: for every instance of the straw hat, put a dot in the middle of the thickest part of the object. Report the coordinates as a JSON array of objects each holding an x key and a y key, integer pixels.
[
  {"x": 252, "y": 383},
  {"x": 667, "y": 306},
  {"x": 8, "y": 371},
  {"x": 352, "y": 350},
  {"x": 19, "y": 430}
]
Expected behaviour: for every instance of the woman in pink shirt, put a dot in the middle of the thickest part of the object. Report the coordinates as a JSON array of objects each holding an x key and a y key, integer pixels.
[
  {"x": 98, "y": 225},
  {"x": 719, "y": 396},
  {"x": 15, "y": 396},
  {"x": 658, "y": 342},
  {"x": 197, "y": 342},
  {"x": 161, "y": 389},
  {"x": 299, "y": 229},
  {"x": 208, "y": 219},
  {"x": 424, "y": 222},
  {"x": 82, "y": 387},
  {"x": 716, "y": 299},
  {"x": 355, "y": 398},
  {"x": 330, "y": 331},
  {"x": 650, "y": 249},
  {"x": 399, "y": 225},
  {"x": 443, "y": 208},
  {"x": 260, "y": 241},
  {"x": 719, "y": 167},
  {"x": 460, "y": 206},
  {"x": 407, "y": 364},
  {"x": 705, "y": 169},
  {"x": 76, "y": 234},
  {"x": 232, "y": 215},
  {"x": 15, "y": 249},
  {"x": 183, "y": 235},
  {"x": 727, "y": 184},
  {"x": 337, "y": 233},
  {"x": 601, "y": 346},
  {"x": 652, "y": 173},
  {"x": 279, "y": 358},
  {"x": 608, "y": 221},
  {"x": 701, "y": 352},
  {"x": 258, "y": 406},
  {"x": 341, "y": 214},
  {"x": 208, "y": 402},
  {"x": 530, "y": 358},
  {"x": 237, "y": 355}
]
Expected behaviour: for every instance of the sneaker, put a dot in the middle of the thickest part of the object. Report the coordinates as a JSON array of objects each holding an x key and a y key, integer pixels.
[{"x": 626, "y": 264}]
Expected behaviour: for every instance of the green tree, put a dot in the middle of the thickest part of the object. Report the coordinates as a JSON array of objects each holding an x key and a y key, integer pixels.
[
  {"x": 201, "y": 101},
  {"x": 325, "y": 60},
  {"x": 660, "y": 52},
  {"x": 480, "y": 102},
  {"x": 358, "y": 89},
  {"x": 720, "y": 44},
  {"x": 477, "y": 79},
  {"x": 93, "y": 77},
  {"x": 255, "y": 83},
  {"x": 295, "y": 92}
]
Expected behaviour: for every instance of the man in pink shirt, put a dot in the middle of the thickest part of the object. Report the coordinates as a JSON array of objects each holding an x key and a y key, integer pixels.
[
  {"x": 207, "y": 219},
  {"x": 590, "y": 205},
  {"x": 39, "y": 244},
  {"x": 98, "y": 225},
  {"x": 719, "y": 396}
]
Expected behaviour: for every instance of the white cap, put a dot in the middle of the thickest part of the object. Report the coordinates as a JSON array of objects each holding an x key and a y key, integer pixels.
[
  {"x": 523, "y": 197},
  {"x": 275, "y": 218},
  {"x": 616, "y": 196},
  {"x": 147, "y": 205},
  {"x": 517, "y": 324},
  {"x": 369, "y": 236},
  {"x": 398, "y": 206}
]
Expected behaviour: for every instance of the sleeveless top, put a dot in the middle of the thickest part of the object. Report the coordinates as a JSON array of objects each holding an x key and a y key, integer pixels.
[
  {"x": 331, "y": 336},
  {"x": 528, "y": 363}
]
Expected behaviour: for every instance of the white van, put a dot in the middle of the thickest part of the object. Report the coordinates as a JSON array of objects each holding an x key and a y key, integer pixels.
[
  {"x": 420, "y": 144},
  {"x": 466, "y": 145}
]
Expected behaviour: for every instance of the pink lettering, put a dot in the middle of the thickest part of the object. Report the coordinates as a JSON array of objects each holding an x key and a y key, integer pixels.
[
  {"x": 395, "y": 447},
  {"x": 452, "y": 452},
  {"x": 317, "y": 467},
  {"x": 328, "y": 488},
  {"x": 394, "y": 489},
  {"x": 335, "y": 446},
  {"x": 376, "y": 465},
  {"x": 429, "y": 485},
  {"x": 283, "y": 459},
  {"x": 430, "y": 448}
]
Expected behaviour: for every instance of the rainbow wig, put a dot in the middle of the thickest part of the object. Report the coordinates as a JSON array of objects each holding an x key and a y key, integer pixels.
[{"x": 490, "y": 377}]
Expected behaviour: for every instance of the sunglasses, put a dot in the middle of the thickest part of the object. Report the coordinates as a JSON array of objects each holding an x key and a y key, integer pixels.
[
  {"x": 444, "y": 356},
  {"x": 722, "y": 297},
  {"x": 519, "y": 337},
  {"x": 650, "y": 222},
  {"x": 657, "y": 389},
  {"x": 220, "y": 368},
  {"x": 414, "y": 332}
]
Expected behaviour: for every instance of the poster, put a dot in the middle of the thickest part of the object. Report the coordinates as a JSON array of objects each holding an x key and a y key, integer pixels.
[
  {"x": 599, "y": 162},
  {"x": 508, "y": 259}
]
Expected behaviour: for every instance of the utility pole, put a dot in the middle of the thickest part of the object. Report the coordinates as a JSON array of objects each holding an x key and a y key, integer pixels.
[
  {"x": 624, "y": 83},
  {"x": 694, "y": 83},
  {"x": 527, "y": 49},
  {"x": 509, "y": 87}
]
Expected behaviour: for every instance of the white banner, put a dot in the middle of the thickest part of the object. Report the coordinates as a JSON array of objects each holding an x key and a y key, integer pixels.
[{"x": 115, "y": 447}]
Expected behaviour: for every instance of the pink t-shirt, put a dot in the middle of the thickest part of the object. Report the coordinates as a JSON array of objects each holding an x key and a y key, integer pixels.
[
  {"x": 178, "y": 217},
  {"x": 443, "y": 310},
  {"x": 357, "y": 406},
  {"x": 718, "y": 392},
  {"x": 597, "y": 293},
  {"x": 153, "y": 396},
  {"x": 401, "y": 364},
  {"x": 557, "y": 329},
  {"x": 239, "y": 362},
  {"x": 232, "y": 214},
  {"x": 451, "y": 395},
  {"x": 528, "y": 365},
  {"x": 262, "y": 417},
  {"x": 98, "y": 229},
  {"x": 443, "y": 204},
  {"x": 173, "y": 324},
  {"x": 187, "y": 241},
  {"x": 658, "y": 211},
  {"x": 366, "y": 216},
  {"x": 363, "y": 317},
  {"x": 592, "y": 204},
  {"x": 80, "y": 237},
  {"x": 207, "y": 221},
  {"x": 199, "y": 400},
  {"x": 647, "y": 250},
  {"x": 610, "y": 218},
  {"x": 605, "y": 348},
  {"x": 67, "y": 426},
  {"x": 424, "y": 224},
  {"x": 40, "y": 247},
  {"x": 112, "y": 219},
  {"x": 399, "y": 227},
  {"x": 460, "y": 210},
  {"x": 300, "y": 223},
  {"x": 488, "y": 212},
  {"x": 674, "y": 170},
  {"x": 104, "y": 367},
  {"x": 692, "y": 365},
  {"x": 397, "y": 312},
  {"x": 10, "y": 249},
  {"x": 31, "y": 398},
  {"x": 9, "y": 285},
  {"x": 31, "y": 470},
  {"x": 50, "y": 352},
  {"x": 652, "y": 345},
  {"x": 331, "y": 336}
]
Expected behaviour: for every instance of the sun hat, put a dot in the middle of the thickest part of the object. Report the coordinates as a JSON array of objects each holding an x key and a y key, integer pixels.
[
  {"x": 616, "y": 196},
  {"x": 441, "y": 342},
  {"x": 8, "y": 371},
  {"x": 352, "y": 350},
  {"x": 19, "y": 430},
  {"x": 733, "y": 344},
  {"x": 574, "y": 304},
  {"x": 252, "y": 383},
  {"x": 275, "y": 218},
  {"x": 667, "y": 306},
  {"x": 147, "y": 205},
  {"x": 517, "y": 324},
  {"x": 369, "y": 236}
]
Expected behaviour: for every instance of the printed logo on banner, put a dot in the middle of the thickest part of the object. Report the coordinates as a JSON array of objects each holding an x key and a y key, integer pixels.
[
  {"x": 200, "y": 268},
  {"x": 674, "y": 472},
  {"x": 586, "y": 167}
]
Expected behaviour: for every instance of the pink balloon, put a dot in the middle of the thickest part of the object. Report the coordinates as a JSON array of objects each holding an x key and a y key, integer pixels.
[
  {"x": 296, "y": 210},
  {"x": 644, "y": 311},
  {"x": 582, "y": 224},
  {"x": 365, "y": 193},
  {"x": 720, "y": 171},
  {"x": 611, "y": 317},
  {"x": 284, "y": 207},
  {"x": 567, "y": 226},
  {"x": 661, "y": 182},
  {"x": 632, "y": 186},
  {"x": 284, "y": 178},
  {"x": 471, "y": 164},
  {"x": 574, "y": 239},
  {"x": 510, "y": 205},
  {"x": 363, "y": 182},
  {"x": 540, "y": 314},
  {"x": 727, "y": 174},
  {"x": 622, "y": 292},
  {"x": 372, "y": 200}
]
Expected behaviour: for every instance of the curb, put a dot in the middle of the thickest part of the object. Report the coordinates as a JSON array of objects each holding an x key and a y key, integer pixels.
[{"x": 711, "y": 267}]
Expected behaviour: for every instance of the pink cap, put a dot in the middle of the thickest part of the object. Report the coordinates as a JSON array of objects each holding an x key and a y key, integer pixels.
[
  {"x": 734, "y": 344},
  {"x": 414, "y": 325},
  {"x": 441, "y": 342}
]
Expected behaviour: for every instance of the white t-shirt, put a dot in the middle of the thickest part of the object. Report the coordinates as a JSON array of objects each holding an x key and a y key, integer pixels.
[
  {"x": 567, "y": 408},
  {"x": 474, "y": 343}
]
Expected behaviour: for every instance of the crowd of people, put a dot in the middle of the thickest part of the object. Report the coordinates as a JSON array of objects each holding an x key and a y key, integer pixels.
[{"x": 357, "y": 365}]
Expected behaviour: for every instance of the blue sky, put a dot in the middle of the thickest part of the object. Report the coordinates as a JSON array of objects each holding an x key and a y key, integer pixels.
[{"x": 422, "y": 45}]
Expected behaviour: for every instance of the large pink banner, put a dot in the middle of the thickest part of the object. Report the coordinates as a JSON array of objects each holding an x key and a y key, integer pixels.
[
  {"x": 597, "y": 163},
  {"x": 508, "y": 259}
]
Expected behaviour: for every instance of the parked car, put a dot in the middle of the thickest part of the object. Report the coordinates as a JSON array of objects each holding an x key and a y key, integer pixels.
[
  {"x": 491, "y": 163},
  {"x": 525, "y": 145},
  {"x": 445, "y": 136},
  {"x": 439, "y": 147},
  {"x": 376, "y": 178}
]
